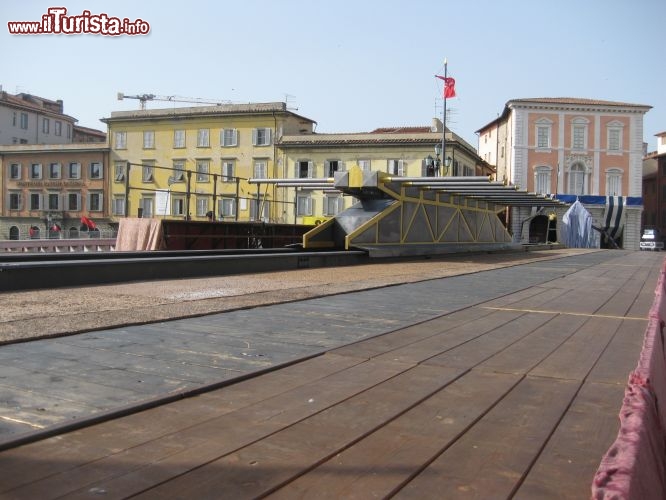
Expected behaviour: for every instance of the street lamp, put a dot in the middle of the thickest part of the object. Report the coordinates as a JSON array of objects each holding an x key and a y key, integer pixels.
[{"x": 433, "y": 164}]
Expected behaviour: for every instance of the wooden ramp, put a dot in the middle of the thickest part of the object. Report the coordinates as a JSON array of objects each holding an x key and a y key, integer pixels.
[{"x": 517, "y": 397}]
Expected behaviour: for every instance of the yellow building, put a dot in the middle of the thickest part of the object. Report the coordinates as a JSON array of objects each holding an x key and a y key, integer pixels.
[
  {"x": 398, "y": 151},
  {"x": 194, "y": 162}
]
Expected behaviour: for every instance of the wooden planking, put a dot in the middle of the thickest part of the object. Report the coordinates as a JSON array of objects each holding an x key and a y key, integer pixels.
[
  {"x": 621, "y": 356},
  {"x": 99, "y": 441},
  {"x": 625, "y": 296},
  {"x": 528, "y": 352},
  {"x": 387, "y": 458},
  {"x": 261, "y": 467},
  {"x": 418, "y": 352},
  {"x": 475, "y": 351},
  {"x": 490, "y": 459},
  {"x": 396, "y": 339},
  {"x": 540, "y": 297},
  {"x": 576, "y": 356},
  {"x": 133, "y": 469},
  {"x": 566, "y": 467}
]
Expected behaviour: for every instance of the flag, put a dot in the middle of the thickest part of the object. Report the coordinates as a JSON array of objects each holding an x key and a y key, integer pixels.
[
  {"x": 449, "y": 86},
  {"x": 88, "y": 223}
]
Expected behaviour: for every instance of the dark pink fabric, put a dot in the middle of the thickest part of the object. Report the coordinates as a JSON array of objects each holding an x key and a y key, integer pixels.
[{"x": 634, "y": 466}]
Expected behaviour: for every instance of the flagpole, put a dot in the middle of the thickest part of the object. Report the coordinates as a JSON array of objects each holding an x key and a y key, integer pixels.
[{"x": 444, "y": 121}]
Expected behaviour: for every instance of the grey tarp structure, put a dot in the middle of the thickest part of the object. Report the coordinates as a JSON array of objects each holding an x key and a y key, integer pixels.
[{"x": 577, "y": 227}]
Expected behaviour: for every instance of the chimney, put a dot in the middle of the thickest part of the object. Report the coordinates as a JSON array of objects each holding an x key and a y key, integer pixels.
[{"x": 436, "y": 125}]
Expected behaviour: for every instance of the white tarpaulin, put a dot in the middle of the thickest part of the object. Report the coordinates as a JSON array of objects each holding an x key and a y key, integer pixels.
[{"x": 577, "y": 227}]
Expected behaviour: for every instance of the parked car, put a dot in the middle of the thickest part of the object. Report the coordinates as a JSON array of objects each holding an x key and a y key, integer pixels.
[{"x": 651, "y": 240}]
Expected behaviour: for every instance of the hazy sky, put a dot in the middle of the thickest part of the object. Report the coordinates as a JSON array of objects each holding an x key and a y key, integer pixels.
[{"x": 349, "y": 65}]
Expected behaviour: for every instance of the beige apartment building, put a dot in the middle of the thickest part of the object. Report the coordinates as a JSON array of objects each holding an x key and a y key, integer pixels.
[
  {"x": 400, "y": 151},
  {"x": 194, "y": 163}
]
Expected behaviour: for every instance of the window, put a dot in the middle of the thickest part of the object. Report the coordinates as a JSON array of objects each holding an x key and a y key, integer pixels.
[
  {"x": 15, "y": 171},
  {"x": 146, "y": 205},
  {"x": 58, "y": 128},
  {"x": 614, "y": 137},
  {"x": 46, "y": 125},
  {"x": 14, "y": 119},
  {"x": 260, "y": 170},
  {"x": 263, "y": 206},
  {"x": 147, "y": 171},
  {"x": 15, "y": 201},
  {"x": 178, "y": 206},
  {"x": 304, "y": 204},
  {"x": 119, "y": 171},
  {"x": 54, "y": 171},
  {"x": 24, "y": 121},
  {"x": 73, "y": 202},
  {"x": 304, "y": 169},
  {"x": 543, "y": 132},
  {"x": 178, "y": 138},
  {"x": 261, "y": 137},
  {"x": 364, "y": 165},
  {"x": 118, "y": 207},
  {"x": 543, "y": 137},
  {"x": 202, "y": 206},
  {"x": 36, "y": 171},
  {"x": 229, "y": 137},
  {"x": 96, "y": 171},
  {"x": 203, "y": 138},
  {"x": 542, "y": 180},
  {"x": 74, "y": 170},
  {"x": 203, "y": 168},
  {"x": 95, "y": 201},
  {"x": 228, "y": 171},
  {"x": 579, "y": 134},
  {"x": 69, "y": 131},
  {"x": 333, "y": 204},
  {"x": 577, "y": 184},
  {"x": 227, "y": 207},
  {"x": 35, "y": 201},
  {"x": 53, "y": 201},
  {"x": 148, "y": 139},
  {"x": 614, "y": 182},
  {"x": 395, "y": 167},
  {"x": 179, "y": 170},
  {"x": 332, "y": 166},
  {"x": 120, "y": 140},
  {"x": 614, "y": 140}
]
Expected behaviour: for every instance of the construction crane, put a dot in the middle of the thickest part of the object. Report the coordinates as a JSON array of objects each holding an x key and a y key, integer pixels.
[{"x": 143, "y": 98}]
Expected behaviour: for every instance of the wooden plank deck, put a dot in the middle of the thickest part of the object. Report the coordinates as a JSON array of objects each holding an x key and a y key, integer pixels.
[{"x": 516, "y": 397}]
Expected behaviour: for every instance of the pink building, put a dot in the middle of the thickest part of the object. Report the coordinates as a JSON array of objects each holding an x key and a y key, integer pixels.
[{"x": 573, "y": 148}]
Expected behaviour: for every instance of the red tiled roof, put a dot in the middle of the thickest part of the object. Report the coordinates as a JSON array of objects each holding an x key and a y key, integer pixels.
[
  {"x": 401, "y": 130},
  {"x": 575, "y": 100}
]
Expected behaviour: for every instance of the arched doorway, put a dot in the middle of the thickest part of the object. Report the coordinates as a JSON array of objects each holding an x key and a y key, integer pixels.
[{"x": 14, "y": 233}]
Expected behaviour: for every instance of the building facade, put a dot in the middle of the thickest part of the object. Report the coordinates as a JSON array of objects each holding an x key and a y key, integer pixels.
[
  {"x": 194, "y": 163},
  {"x": 29, "y": 119},
  {"x": 47, "y": 189},
  {"x": 654, "y": 187},
  {"x": 401, "y": 151},
  {"x": 570, "y": 146}
]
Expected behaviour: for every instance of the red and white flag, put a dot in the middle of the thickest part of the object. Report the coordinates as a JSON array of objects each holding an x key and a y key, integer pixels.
[{"x": 449, "y": 86}]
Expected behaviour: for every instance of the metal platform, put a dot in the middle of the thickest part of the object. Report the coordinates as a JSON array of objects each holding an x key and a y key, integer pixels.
[{"x": 397, "y": 216}]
